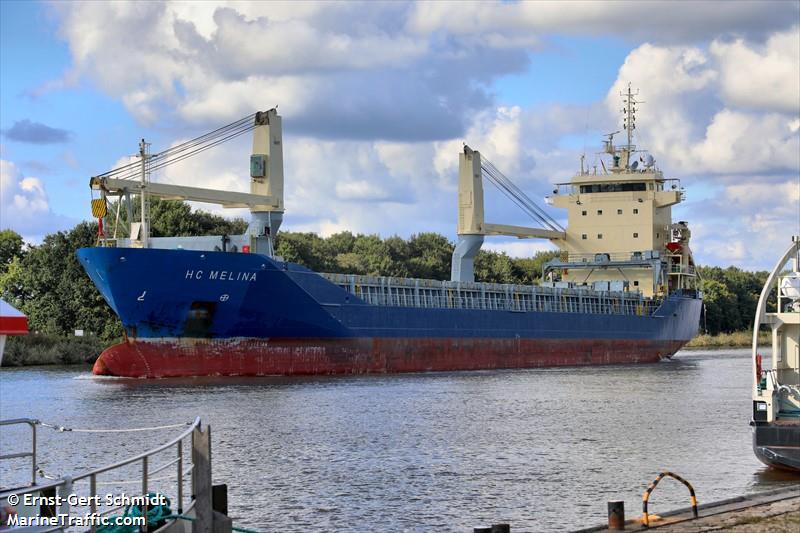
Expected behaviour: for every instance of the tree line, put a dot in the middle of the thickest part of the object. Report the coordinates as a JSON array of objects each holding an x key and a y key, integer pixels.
[{"x": 47, "y": 283}]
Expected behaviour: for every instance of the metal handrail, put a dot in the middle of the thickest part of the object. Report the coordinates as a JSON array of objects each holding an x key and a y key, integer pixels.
[
  {"x": 65, "y": 484},
  {"x": 32, "y": 454},
  {"x": 186, "y": 433}
]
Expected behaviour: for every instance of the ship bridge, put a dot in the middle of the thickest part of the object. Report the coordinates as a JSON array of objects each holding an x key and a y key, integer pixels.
[{"x": 620, "y": 228}]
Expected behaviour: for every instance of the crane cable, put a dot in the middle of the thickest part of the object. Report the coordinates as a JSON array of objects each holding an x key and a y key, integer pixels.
[
  {"x": 518, "y": 196},
  {"x": 186, "y": 149}
]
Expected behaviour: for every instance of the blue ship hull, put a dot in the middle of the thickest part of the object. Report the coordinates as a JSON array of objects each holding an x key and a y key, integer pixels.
[{"x": 199, "y": 313}]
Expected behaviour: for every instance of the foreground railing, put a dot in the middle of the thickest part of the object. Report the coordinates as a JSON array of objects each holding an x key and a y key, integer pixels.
[{"x": 60, "y": 489}]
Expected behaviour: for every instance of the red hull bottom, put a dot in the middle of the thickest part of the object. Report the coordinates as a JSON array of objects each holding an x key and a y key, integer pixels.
[{"x": 251, "y": 357}]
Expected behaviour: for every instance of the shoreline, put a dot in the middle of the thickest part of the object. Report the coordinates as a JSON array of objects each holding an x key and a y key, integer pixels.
[{"x": 737, "y": 339}]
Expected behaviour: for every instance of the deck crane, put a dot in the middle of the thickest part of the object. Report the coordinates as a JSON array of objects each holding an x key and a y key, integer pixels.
[
  {"x": 265, "y": 199},
  {"x": 472, "y": 228}
]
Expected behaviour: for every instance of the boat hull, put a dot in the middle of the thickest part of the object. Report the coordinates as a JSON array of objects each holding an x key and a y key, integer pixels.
[
  {"x": 778, "y": 445},
  {"x": 255, "y": 357}
]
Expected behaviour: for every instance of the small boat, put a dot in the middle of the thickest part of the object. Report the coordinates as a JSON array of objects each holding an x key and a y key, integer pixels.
[
  {"x": 776, "y": 390},
  {"x": 12, "y": 322}
]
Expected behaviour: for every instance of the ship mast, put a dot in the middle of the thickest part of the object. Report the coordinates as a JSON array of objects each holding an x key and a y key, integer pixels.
[
  {"x": 629, "y": 120},
  {"x": 145, "y": 227}
]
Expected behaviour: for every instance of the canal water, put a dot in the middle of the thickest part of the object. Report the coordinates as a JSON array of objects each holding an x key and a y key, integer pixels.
[{"x": 540, "y": 449}]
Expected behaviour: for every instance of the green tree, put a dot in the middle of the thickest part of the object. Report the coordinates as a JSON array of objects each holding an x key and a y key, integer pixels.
[
  {"x": 528, "y": 270},
  {"x": 52, "y": 289},
  {"x": 172, "y": 218},
  {"x": 10, "y": 247},
  {"x": 307, "y": 249},
  {"x": 429, "y": 256},
  {"x": 494, "y": 267}
]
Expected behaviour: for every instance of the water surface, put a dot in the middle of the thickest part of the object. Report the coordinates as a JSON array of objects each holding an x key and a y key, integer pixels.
[{"x": 540, "y": 449}]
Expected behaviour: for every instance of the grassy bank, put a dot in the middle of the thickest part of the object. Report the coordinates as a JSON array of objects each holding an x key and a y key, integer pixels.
[
  {"x": 36, "y": 349},
  {"x": 737, "y": 338}
]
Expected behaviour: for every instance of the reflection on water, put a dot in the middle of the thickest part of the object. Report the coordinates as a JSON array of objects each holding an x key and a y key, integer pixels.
[{"x": 540, "y": 449}]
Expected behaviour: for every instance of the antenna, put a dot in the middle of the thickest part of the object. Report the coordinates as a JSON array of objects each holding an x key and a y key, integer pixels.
[{"x": 629, "y": 113}]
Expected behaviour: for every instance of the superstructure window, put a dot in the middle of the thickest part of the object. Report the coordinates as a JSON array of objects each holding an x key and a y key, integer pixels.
[
  {"x": 635, "y": 235},
  {"x": 583, "y": 236},
  {"x": 619, "y": 211},
  {"x": 635, "y": 211},
  {"x": 583, "y": 213},
  {"x": 599, "y": 235},
  {"x": 613, "y": 187},
  {"x": 599, "y": 211},
  {"x": 635, "y": 283}
]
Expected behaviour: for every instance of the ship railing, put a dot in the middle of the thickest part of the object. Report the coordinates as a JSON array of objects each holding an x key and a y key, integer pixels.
[
  {"x": 59, "y": 490},
  {"x": 401, "y": 292},
  {"x": 606, "y": 257},
  {"x": 682, "y": 269}
]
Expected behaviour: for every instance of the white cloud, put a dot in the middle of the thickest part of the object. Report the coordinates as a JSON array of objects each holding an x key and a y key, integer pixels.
[
  {"x": 24, "y": 206},
  {"x": 725, "y": 117},
  {"x": 761, "y": 77},
  {"x": 659, "y": 21},
  {"x": 378, "y": 98},
  {"x": 743, "y": 142},
  {"x": 689, "y": 125},
  {"x": 749, "y": 224},
  {"x": 518, "y": 247}
]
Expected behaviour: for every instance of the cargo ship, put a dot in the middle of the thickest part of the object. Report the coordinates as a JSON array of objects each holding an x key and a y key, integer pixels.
[{"x": 623, "y": 289}]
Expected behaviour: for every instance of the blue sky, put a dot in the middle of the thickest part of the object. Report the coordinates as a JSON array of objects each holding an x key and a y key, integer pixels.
[{"x": 378, "y": 97}]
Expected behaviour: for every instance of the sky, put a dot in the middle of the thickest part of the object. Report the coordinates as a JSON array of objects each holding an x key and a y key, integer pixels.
[{"x": 378, "y": 98}]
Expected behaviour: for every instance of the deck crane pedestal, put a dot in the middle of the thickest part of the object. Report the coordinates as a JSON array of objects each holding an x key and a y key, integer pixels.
[{"x": 471, "y": 224}]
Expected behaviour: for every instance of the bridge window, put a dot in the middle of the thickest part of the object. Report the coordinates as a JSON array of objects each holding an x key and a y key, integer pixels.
[{"x": 613, "y": 187}]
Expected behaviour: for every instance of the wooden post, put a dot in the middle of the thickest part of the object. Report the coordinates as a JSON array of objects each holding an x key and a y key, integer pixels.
[
  {"x": 201, "y": 479},
  {"x": 616, "y": 514},
  {"x": 222, "y": 523}
]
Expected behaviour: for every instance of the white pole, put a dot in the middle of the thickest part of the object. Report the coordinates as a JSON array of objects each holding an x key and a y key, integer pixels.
[{"x": 144, "y": 229}]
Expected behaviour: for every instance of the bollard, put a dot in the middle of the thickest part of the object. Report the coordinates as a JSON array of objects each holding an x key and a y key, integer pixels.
[
  {"x": 501, "y": 528},
  {"x": 616, "y": 514}
]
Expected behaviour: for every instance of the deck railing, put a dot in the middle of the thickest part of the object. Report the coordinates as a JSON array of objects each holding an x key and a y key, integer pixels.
[{"x": 404, "y": 292}]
